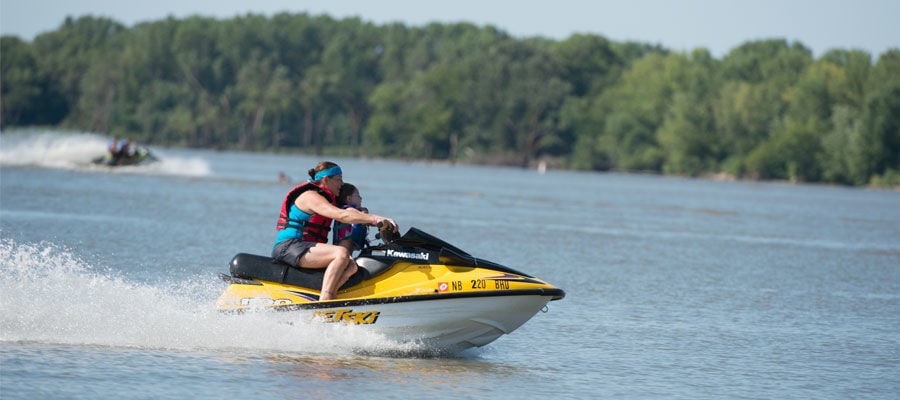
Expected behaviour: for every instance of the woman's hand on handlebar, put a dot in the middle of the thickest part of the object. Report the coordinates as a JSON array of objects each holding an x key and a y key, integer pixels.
[{"x": 386, "y": 224}]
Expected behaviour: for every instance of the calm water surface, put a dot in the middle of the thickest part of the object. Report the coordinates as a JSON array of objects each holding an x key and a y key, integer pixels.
[{"x": 676, "y": 288}]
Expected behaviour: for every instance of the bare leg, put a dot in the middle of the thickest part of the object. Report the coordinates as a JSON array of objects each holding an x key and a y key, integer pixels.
[
  {"x": 351, "y": 267},
  {"x": 348, "y": 272},
  {"x": 334, "y": 259}
]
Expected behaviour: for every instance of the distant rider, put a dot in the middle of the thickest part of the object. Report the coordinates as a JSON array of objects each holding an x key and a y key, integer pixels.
[
  {"x": 115, "y": 149},
  {"x": 119, "y": 150}
]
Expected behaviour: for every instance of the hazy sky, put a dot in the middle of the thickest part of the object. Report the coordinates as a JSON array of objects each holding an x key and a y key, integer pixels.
[{"x": 718, "y": 25}]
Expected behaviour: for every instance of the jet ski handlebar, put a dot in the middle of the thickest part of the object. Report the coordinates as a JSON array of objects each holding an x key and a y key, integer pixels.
[{"x": 385, "y": 233}]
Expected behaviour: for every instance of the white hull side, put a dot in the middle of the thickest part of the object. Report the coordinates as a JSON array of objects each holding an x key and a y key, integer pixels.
[{"x": 445, "y": 324}]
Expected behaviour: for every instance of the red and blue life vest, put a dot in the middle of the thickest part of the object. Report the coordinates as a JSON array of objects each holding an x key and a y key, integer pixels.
[{"x": 294, "y": 223}]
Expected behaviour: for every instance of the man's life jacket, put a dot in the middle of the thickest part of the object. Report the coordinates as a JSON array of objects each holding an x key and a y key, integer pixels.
[{"x": 298, "y": 224}]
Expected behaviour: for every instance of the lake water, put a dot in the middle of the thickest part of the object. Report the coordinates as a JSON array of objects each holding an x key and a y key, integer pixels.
[{"x": 676, "y": 288}]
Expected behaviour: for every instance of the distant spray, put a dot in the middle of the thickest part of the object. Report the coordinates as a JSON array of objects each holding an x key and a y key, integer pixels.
[{"x": 76, "y": 150}]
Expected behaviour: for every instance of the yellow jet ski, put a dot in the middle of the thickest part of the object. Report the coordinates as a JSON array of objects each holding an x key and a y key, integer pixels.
[{"x": 415, "y": 288}]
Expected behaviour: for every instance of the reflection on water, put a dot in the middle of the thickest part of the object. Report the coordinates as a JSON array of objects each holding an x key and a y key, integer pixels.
[
  {"x": 374, "y": 374},
  {"x": 333, "y": 367}
]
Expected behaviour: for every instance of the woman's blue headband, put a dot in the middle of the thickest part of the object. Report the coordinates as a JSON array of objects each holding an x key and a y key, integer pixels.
[{"x": 333, "y": 171}]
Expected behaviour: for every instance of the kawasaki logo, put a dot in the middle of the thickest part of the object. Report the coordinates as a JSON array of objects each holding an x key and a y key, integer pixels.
[{"x": 424, "y": 256}]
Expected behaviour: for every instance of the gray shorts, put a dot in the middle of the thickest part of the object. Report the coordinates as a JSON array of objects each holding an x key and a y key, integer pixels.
[{"x": 289, "y": 251}]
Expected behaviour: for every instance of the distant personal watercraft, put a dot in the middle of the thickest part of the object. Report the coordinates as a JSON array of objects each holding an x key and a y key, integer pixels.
[
  {"x": 415, "y": 288},
  {"x": 141, "y": 155}
]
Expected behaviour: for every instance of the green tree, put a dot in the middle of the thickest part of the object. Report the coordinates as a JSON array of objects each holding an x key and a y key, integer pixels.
[
  {"x": 351, "y": 61},
  {"x": 67, "y": 55},
  {"x": 588, "y": 63},
  {"x": 792, "y": 153},
  {"x": 635, "y": 108},
  {"x": 27, "y": 95},
  {"x": 880, "y": 133},
  {"x": 687, "y": 136},
  {"x": 261, "y": 90},
  {"x": 743, "y": 118}
]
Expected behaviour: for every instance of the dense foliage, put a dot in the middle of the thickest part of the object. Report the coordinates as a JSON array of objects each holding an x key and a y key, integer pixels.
[{"x": 459, "y": 92}]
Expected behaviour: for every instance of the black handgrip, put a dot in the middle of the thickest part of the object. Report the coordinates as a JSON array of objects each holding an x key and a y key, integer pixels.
[{"x": 385, "y": 233}]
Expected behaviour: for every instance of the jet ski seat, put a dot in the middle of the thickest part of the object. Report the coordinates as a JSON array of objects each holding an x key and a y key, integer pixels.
[{"x": 251, "y": 266}]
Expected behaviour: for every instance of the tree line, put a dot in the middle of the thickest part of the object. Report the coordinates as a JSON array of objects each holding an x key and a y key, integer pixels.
[{"x": 295, "y": 82}]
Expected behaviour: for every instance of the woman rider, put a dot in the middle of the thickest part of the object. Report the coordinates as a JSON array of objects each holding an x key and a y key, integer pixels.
[{"x": 306, "y": 216}]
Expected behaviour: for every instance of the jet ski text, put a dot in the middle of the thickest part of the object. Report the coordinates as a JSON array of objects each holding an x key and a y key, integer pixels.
[{"x": 348, "y": 316}]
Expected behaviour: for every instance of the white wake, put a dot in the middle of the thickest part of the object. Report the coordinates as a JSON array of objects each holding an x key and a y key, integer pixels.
[
  {"x": 77, "y": 150},
  {"x": 48, "y": 295}
]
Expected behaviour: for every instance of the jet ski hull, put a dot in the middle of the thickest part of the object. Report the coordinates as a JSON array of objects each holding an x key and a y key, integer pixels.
[{"x": 436, "y": 323}]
